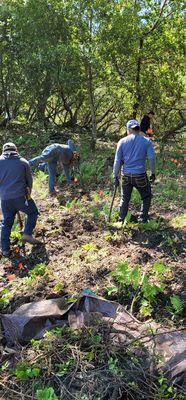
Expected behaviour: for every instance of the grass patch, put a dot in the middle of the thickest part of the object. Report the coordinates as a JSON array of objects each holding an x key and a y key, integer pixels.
[
  {"x": 179, "y": 221},
  {"x": 39, "y": 187}
]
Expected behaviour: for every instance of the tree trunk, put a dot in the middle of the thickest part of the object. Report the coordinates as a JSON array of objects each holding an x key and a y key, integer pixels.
[
  {"x": 91, "y": 103},
  {"x": 138, "y": 71}
]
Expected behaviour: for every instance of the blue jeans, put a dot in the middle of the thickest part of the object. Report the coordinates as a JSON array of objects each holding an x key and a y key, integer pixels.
[
  {"x": 9, "y": 210},
  {"x": 141, "y": 183},
  {"x": 52, "y": 169}
]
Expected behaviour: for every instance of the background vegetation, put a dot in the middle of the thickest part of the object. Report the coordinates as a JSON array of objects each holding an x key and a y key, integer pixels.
[{"x": 92, "y": 63}]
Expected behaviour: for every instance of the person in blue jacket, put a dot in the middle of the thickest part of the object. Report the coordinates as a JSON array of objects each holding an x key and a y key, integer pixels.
[
  {"x": 15, "y": 191},
  {"x": 130, "y": 157},
  {"x": 54, "y": 154}
]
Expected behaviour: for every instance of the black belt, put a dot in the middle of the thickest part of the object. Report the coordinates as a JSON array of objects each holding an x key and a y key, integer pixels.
[{"x": 134, "y": 175}]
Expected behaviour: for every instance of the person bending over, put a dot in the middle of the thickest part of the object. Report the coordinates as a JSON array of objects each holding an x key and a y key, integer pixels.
[{"x": 54, "y": 154}]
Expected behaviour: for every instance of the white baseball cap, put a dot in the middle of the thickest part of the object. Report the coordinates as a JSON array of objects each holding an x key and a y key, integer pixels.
[
  {"x": 9, "y": 147},
  {"x": 132, "y": 123}
]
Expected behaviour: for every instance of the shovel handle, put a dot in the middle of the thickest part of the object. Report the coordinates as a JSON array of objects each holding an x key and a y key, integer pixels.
[
  {"x": 114, "y": 195},
  {"x": 20, "y": 220}
]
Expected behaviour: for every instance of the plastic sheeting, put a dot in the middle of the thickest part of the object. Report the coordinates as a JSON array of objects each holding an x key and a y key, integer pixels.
[{"x": 30, "y": 321}]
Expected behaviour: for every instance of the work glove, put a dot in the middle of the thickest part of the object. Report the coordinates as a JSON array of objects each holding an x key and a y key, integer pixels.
[
  {"x": 152, "y": 178},
  {"x": 116, "y": 182}
]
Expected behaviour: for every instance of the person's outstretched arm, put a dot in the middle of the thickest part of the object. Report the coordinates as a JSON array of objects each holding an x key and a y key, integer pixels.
[{"x": 28, "y": 176}]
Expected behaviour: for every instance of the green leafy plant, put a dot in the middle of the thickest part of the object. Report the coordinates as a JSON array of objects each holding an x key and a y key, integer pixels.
[
  {"x": 70, "y": 204},
  {"x": 177, "y": 304},
  {"x": 92, "y": 171},
  {"x": 15, "y": 233},
  {"x": 89, "y": 246},
  {"x": 58, "y": 287},
  {"x": 113, "y": 366},
  {"x": 145, "y": 308},
  {"x": 152, "y": 225},
  {"x": 161, "y": 269},
  {"x": 5, "y": 298},
  {"x": 170, "y": 241},
  {"x": 132, "y": 280},
  {"x": 40, "y": 184},
  {"x": 65, "y": 367},
  {"x": 46, "y": 394},
  {"x": 165, "y": 389},
  {"x": 38, "y": 270},
  {"x": 36, "y": 343},
  {"x": 26, "y": 371}
]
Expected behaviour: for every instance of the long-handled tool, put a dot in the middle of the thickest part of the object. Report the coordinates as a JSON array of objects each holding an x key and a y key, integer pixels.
[
  {"x": 113, "y": 198},
  {"x": 28, "y": 197},
  {"x": 20, "y": 220}
]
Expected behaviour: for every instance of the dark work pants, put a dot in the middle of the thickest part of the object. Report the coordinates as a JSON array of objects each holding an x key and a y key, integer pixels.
[
  {"x": 52, "y": 169},
  {"x": 142, "y": 184},
  {"x": 9, "y": 210}
]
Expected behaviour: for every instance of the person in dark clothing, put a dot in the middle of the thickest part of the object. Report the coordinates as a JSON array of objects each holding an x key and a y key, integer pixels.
[
  {"x": 15, "y": 186},
  {"x": 54, "y": 154},
  {"x": 146, "y": 123},
  {"x": 131, "y": 154}
]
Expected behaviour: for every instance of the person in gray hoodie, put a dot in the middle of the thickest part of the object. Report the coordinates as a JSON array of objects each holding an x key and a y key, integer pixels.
[
  {"x": 53, "y": 154},
  {"x": 15, "y": 190}
]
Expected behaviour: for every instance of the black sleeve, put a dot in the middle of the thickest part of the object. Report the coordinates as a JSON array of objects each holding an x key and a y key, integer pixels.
[{"x": 145, "y": 123}]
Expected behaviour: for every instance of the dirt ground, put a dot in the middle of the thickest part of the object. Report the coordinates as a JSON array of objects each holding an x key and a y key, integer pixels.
[
  {"x": 78, "y": 250},
  {"x": 64, "y": 233}
]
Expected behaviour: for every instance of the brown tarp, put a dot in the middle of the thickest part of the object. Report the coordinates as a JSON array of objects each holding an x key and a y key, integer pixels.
[{"x": 33, "y": 319}]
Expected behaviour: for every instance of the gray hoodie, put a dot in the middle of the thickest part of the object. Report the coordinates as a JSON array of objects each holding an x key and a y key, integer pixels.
[{"x": 15, "y": 176}]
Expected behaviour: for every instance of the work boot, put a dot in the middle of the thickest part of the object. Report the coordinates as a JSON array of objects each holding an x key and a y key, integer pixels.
[
  {"x": 29, "y": 239},
  {"x": 53, "y": 193},
  {"x": 6, "y": 253}
]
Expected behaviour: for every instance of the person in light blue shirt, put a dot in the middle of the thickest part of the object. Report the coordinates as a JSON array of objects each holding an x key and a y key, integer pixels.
[{"x": 131, "y": 155}]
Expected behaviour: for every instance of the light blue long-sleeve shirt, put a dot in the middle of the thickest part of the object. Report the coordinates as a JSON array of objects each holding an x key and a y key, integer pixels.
[{"x": 131, "y": 154}]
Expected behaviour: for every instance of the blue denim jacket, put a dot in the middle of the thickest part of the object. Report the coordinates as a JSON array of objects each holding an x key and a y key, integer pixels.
[{"x": 57, "y": 152}]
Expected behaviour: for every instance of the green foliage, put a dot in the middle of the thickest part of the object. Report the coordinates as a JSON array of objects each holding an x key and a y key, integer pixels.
[
  {"x": 25, "y": 371},
  {"x": 177, "y": 304},
  {"x": 5, "y": 296},
  {"x": 144, "y": 289},
  {"x": 170, "y": 189},
  {"x": 113, "y": 366},
  {"x": 135, "y": 197},
  {"x": 69, "y": 46},
  {"x": 15, "y": 232},
  {"x": 89, "y": 246},
  {"x": 161, "y": 269},
  {"x": 92, "y": 172},
  {"x": 169, "y": 240},
  {"x": 70, "y": 204},
  {"x": 145, "y": 308},
  {"x": 58, "y": 287},
  {"x": 40, "y": 184},
  {"x": 150, "y": 291},
  {"x": 38, "y": 270},
  {"x": 65, "y": 367},
  {"x": 152, "y": 225},
  {"x": 179, "y": 221},
  {"x": 46, "y": 394},
  {"x": 166, "y": 390}
]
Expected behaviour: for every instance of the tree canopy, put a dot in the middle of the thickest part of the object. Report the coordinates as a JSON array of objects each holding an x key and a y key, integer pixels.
[{"x": 92, "y": 63}]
